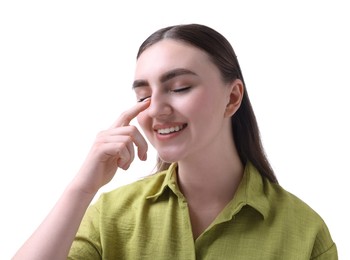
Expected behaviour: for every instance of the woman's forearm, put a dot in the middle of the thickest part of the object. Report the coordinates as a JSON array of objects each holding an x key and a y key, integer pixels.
[
  {"x": 54, "y": 237},
  {"x": 113, "y": 149}
]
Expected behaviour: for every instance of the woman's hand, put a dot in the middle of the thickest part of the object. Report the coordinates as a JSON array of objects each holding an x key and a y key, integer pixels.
[{"x": 112, "y": 149}]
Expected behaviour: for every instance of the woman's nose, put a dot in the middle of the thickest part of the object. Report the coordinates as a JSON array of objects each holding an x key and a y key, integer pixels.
[{"x": 159, "y": 107}]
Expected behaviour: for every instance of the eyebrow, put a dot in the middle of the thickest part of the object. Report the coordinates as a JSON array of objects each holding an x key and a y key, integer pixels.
[{"x": 165, "y": 77}]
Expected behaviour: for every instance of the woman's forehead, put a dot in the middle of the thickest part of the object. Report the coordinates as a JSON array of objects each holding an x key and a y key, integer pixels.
[{"x": 168, "y": 55}]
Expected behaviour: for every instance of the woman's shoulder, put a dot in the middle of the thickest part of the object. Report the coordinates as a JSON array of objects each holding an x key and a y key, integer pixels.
[
  {"x": 294, "y": 210},
  {"x": 302, "y": 220},
  {"x": 283, "y": 199},
  {"x": 278, "y": 200}
]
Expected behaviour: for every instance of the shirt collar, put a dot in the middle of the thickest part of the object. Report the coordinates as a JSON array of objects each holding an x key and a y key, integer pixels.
[
  {"x": 250, "y": 192},
  {"x": 169, "y": 181}
]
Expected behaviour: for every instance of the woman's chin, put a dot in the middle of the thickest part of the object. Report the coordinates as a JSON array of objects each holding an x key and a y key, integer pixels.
[
  {"x": 169, "y": 157},
  {"x": 166, "y": 159}
]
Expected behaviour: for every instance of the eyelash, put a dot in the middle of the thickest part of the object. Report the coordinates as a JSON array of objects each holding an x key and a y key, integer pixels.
[
  {"x": 143, "y": 99},
  {"x": 179, "y": 90}
]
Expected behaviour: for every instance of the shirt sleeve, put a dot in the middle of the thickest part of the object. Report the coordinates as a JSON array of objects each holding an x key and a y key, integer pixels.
[
  {"x": 86, "y": 244},
  {"x": 330, "y": 254},
  {"x": 324, "y": 247}
]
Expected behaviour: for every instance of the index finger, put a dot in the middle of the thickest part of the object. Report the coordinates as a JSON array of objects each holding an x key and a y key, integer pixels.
[{"x": 128, "y": 115}]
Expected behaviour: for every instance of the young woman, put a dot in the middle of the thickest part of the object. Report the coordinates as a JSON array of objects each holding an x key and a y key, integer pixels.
[{"x": 215, "y": 195}]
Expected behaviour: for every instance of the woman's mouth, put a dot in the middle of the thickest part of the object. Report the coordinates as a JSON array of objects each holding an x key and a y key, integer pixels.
[{"x": 170, "y": 130}]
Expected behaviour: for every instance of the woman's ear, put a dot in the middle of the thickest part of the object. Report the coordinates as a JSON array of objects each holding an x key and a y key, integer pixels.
[{"x": 235, "y": 97}]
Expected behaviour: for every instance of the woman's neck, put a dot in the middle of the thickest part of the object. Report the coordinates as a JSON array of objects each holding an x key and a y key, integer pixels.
[
  {"x": 211, "y": 175},
  {"x": 209, "y": 182}
]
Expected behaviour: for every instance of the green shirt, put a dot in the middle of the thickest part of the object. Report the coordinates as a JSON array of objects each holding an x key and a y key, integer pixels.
[{"x": 149, "y": 219}]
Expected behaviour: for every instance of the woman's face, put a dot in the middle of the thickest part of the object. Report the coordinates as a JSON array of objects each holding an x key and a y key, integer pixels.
[{"x": 186, "y": 116}]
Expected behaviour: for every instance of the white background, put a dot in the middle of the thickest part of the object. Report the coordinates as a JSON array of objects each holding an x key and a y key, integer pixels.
[{"x": 66, "y": 69}]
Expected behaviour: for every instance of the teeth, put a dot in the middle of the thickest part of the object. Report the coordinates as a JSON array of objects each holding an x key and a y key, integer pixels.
[{"x": 169, "y": 130}]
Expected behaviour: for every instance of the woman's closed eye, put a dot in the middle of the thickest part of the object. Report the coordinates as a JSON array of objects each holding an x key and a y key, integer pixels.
[
  {"x": 182, "y": 89},
  {"x": 143, "y": 99},
  {"x": 176, "y": 90}
]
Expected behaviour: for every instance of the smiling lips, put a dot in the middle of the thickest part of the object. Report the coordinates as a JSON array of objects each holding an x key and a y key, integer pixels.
[{"x": 169, "y": 130}]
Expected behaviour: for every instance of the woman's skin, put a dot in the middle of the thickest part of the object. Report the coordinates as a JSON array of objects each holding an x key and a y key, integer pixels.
[
  {"x": 187, "y": 91},
  {"x": 185, "y": 114},
  {"x": 112, "y": 149}
]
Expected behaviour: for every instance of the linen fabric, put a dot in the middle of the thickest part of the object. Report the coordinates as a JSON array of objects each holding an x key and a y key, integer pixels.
[{"x": 149, "y": 219}]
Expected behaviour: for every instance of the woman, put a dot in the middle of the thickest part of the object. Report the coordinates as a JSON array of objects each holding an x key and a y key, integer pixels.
[{"x": 215, "y": 195}]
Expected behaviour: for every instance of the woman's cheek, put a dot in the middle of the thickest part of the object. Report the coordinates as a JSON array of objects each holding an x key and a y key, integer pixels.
[
  {"x": 145, "y": 124},
  {"x": 141, "y": 118}
]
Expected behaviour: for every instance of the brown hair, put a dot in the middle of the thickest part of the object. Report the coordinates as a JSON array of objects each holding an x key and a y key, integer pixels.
[{"x": 245, "y": 129}]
